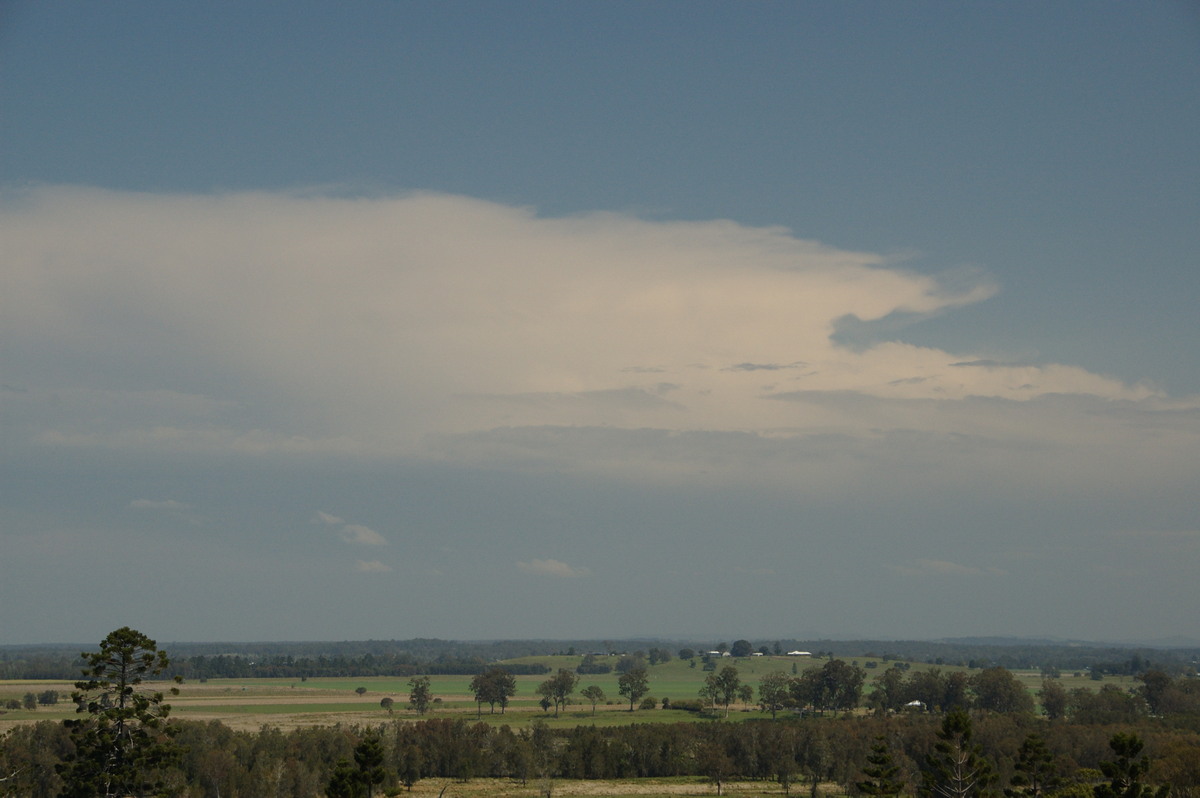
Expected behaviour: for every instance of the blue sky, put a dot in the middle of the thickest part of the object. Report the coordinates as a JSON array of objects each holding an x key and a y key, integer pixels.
[{"x": 489, "y": 320}]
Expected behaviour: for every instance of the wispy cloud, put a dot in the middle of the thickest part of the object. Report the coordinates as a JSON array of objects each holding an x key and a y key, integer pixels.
[
  {"x": 361, "y": 535},
  {"x": 158, "y": 504},
  {"x": 372, "y": 567},
  {"x": 552, "y": 568},
  {"x": 931, "y": 567},
  {"x": 351, "y": 533}
]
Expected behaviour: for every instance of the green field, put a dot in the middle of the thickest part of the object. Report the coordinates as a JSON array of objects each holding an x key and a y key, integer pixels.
[{"x": 252, "y": 703}]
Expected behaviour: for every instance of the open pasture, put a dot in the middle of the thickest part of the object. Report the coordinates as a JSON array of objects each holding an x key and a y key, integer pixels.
[{"x": 289, "y": 703}]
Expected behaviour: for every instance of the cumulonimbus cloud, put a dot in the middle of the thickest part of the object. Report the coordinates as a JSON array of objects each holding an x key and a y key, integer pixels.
[{"x": 436, "y": 325}]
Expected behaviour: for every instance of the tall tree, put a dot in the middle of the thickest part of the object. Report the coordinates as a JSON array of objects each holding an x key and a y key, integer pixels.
[
  {"x": 558, "y": 688},
  {"x": 889, "y": 692},
  {"x": 722, "y": 688},
  {"x": 124, "y": 744},
  {"x": 368, "y": 757},
  {"x": 344, "y": 782},
  {"x": 1036, "y": 770},
  {"x": 1125, "y": 773},
  {"x": 594, "y": 694},
  {"x": 997, "y": 690},
  {"x": 957, "y": 767},
  {"x": 774, "y": 690},
  {"x": 1054, "y": 699},
  {"x": 420, "y": 695},
  {"x": 881, "y": 772},
  {"x": 633, "y": 685},
  {"x": 494, "y": 686},
  {"x": 840, "y": 685}
]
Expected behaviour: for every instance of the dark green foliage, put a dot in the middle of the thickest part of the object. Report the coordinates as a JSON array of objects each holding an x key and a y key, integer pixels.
[
  {"x": 774, "y": 691},
  {"x": 1109, "y": 704},
  {"x": 836, "y": 685},
  {"x": 1036, "y": 770},
  {"x": 1054, "y": 699},
  {"x": 591, "y": 665},
  {"x": 368, "y": 758},
  {"x": 1126, "y": 772},
  {"x": 420, "y": 695},
  {"x": 997, "y": 690},
  {"x": 594, "y": 695},
  {"x": 881, "y": 772},
  {"x": 494, "y": 686},
  {"x": 721, "y": 688},
  {"x": 631, "y": 662},
  {"x": 633, "y": 684},
  {"x": 125, "y": 744},
  {"x": 556, "y": 691},
  {"x": 957, "y": 767},
  {"x": 344, "y": 783}
]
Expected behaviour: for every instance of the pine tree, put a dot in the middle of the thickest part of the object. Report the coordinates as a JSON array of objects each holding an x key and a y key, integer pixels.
[
  {"x": 124, "y": 745},
  {"x": 1036, "y": 770},
  {"x": 368, "y": 756},
  {"x": 881, "y": 772},
  {"x": 344, "y": 782},
  {"x": 1125, "y": 773},
  {"x": 957, "y": 767}
]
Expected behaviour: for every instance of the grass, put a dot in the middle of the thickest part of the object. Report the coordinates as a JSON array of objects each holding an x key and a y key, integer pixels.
[{"x": 250, "y": 703}]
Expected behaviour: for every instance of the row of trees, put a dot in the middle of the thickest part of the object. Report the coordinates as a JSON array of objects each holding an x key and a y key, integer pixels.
[
  {"x": 838, "y": 687},
  {"x": 861, "y": 755}
]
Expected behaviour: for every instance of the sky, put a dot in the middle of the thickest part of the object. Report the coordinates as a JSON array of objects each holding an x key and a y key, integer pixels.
[{"x": 700, "y": 320}]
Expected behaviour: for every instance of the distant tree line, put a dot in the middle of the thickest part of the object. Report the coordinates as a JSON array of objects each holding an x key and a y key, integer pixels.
[
  {"x": 288, "y": 667},
  {"x": 237, "y": 666},
  {"x": 429, "y": 654},
  {"x": 846, "y": 751}
]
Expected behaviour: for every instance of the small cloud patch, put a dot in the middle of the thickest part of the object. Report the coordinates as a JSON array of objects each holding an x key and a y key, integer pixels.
[
  {"x": 356, "y": 534},
  {"x": 929, "y": 567},
  {"x": 552, "y": 568},
  {"x": 361, "y": 535},
  {"x": 372, "y": 567},
  {"x": 152, "y": 504}
]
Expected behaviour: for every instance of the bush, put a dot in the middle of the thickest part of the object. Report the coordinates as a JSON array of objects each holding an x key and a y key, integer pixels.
[{"x": 648, "y": 703}]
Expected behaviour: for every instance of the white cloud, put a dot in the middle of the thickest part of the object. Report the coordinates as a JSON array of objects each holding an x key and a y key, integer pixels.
[
  {"x": 350, "y": 533},
  {"x": 551, "y": 568},
  {"x": 441, "y": 326},
  {"x": 372, "y": 567},
  {"x": 361, "y": 535}
]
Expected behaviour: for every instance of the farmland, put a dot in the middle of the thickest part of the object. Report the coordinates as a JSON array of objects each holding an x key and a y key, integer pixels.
[
  {"x": 249, "y": 704},
  {"x": 740, "y": 726}
]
